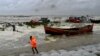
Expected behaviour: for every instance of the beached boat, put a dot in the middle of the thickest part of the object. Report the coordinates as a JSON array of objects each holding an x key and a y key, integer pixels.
[
  {"x": 68, "y": 31},
  {"x": 94, "y": 21}
]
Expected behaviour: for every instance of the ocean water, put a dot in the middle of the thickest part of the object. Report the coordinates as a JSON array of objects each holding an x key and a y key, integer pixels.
[{"x": 22, "y": 42}]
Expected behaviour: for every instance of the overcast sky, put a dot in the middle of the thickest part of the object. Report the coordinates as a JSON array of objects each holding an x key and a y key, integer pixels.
[{"x": 49, "y": 7}]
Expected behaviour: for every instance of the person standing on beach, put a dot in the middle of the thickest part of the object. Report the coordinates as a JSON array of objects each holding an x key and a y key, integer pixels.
[{"x": 33, "y": 44}]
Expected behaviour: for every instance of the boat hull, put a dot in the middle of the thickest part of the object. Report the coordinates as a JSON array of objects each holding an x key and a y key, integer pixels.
[
  {"x": 95, "y": 21},
  {"x": 68, "y": 31}
]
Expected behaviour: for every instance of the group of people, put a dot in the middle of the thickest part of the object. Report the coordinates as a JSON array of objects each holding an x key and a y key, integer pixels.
[{"x": 33, "y": 44}]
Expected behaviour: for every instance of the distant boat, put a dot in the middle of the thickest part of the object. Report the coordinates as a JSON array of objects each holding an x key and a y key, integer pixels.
[
  {"x": 94, "y": 21},
  {"x": 35, "y": 22},
  {"x": 74, "y": 20},
  {"x": 81, "y": 19},
  {"x": 32, "y": 22},
  {"x": 68, "y": 31}
]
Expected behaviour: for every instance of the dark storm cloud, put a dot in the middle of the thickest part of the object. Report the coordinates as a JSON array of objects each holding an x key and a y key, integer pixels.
[{"x": 63, "y": 7}]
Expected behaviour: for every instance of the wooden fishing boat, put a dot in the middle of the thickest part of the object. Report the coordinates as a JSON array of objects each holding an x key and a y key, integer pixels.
[
  {"x": 32, "y": 22},
  {"x": 94, "y": 21},
  {"x": 81, "y": 19},
  {"x": 68, "y": 31},
  {"x": 74, "y": 19}
]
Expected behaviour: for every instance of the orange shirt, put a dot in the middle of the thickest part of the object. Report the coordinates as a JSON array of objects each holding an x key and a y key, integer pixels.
[{"x": 33, "y": 42}]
